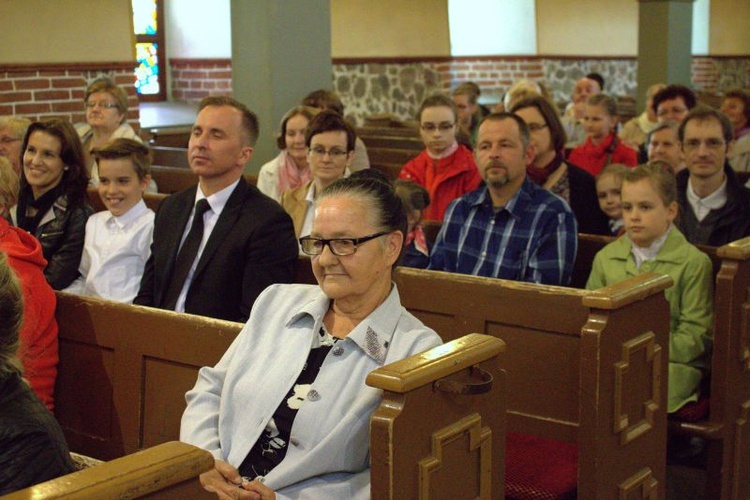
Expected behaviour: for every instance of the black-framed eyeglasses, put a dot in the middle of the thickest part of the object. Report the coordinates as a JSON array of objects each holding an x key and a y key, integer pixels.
[
  {"x": 339, "y": 246},
  {"x": 536, "y": 127}
]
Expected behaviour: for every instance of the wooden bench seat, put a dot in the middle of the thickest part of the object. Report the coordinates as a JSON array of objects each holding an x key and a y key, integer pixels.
[
  {"x": 152, "y": 200},
  {"x": 582, "y": 367},
  {"x": 124, "y": 371},
  {"x": 568, "y": 351},
  {"x": 169, "y": 156},
  {"x": 170, "y": 180},
  {"x": 390, "y": 148},
  {"x": 167, "y": 471},
  {"x": 176, "y": 137},
  {"x": 727, "y": 427}
]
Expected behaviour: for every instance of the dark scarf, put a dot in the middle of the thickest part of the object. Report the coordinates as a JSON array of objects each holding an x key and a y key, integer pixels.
[
  {"x": 42, "y": 206},
  {"x": 540, "y": 175}
]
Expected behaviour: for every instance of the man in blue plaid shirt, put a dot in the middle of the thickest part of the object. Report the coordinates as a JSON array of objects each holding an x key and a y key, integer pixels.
[{"x": 508, "y": 228}]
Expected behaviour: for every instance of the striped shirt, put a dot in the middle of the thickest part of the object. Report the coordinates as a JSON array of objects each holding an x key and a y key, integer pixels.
[{"x": 533, "y": 238}]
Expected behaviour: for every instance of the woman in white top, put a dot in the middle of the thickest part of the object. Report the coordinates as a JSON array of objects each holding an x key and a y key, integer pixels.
[{"x": 290, "y": 169}]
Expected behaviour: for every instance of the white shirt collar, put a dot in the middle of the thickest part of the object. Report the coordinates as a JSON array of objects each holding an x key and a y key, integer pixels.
[
  {"x": 131, "y": 215},
  {"x": 702, "y": 206},
  {"x": 217, "y": 200},
  {"x": 644, "y": 254}
]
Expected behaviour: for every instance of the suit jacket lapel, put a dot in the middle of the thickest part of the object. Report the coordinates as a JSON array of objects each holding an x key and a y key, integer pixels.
[{"x": 223, "y": 226}]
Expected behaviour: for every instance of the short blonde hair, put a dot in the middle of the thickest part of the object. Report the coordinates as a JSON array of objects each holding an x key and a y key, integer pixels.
[
  {"x": 9, "y": 184},
  {"x": 18, "y": 125},
  {"x": 110, "y": 87}
]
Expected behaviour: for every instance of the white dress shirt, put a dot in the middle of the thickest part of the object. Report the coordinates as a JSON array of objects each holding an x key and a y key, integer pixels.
[
  {"x": 217, "y": 201},
  {"x": 703, "y": 206},
  {"x": 115, "y": 252}
]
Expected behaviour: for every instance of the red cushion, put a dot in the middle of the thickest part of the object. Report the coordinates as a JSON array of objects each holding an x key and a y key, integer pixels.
[
  {"x": 539, "y": 468},
  {"x": 695, "y": 411}
]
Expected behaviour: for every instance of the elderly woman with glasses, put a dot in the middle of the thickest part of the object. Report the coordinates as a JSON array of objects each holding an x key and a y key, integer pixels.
[
  {"x": 106, "y": 114},
  {"x": 446, "y": 169},
  {"x": 286, "y": 411},
  {"x": 330, "y": 142},
  {"x": 12, "y": 131}
]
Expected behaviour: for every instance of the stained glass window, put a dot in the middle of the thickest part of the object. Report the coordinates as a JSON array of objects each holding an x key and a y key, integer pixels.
[
  {"x": 144, "y": 17},
  {"x": 147, "y": 72},
  {"x": 148, "y": 25}
]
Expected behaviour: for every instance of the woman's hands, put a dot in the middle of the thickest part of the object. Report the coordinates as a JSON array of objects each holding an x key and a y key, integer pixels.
[{"x": 228, "y": 484}]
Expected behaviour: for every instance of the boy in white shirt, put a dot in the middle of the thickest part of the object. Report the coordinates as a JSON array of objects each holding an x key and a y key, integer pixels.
[{"x": 118, "y": 241}]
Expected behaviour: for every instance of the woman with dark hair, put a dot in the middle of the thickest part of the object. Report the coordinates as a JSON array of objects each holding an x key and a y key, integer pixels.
[
  {"x": 549, "y": 169},
  {"x": 296, "y": 420},
  {"x": 290, "y": 169},
  {"x": 736, "y": 105},
  {"x": 32, "y": 445},
  {"x": 52, "y": 202}
]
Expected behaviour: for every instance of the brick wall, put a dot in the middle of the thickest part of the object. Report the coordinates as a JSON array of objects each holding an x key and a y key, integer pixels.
[
  {"x": 194, "y": 79},
  {"x": 46, "y": 91}
]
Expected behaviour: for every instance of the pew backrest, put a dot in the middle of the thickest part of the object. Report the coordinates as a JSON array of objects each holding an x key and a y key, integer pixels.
[{"x": 167, "y": 471}]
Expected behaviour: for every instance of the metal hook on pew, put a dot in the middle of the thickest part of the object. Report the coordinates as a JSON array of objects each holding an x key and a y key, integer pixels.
[{"x": 483, "y": 385}]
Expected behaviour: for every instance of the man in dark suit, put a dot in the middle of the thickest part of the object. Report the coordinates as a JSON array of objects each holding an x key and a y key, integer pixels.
[{"x": 217, "y": 261}]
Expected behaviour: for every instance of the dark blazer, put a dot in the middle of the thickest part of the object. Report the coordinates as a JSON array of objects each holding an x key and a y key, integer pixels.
[
  {"x": 251, "y": 246},
  {"x": 585, "y": 203}
]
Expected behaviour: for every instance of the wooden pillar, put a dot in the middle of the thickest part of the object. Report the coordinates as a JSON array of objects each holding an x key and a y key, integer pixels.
[
  {"x": 280, "y": 52},
  {"x": 664, "y": 43}
]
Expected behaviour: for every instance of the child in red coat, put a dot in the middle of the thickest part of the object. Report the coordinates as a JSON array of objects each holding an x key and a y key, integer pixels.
[{"x": 602, "y": 146}]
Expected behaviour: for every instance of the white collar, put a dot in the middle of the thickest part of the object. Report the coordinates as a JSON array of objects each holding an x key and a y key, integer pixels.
[
  {"x": 702, "y": 206},
  {"x": 131, "y": 215},
  {"x": 644, "y": 254},
  {"x": 217, "y": 200}
]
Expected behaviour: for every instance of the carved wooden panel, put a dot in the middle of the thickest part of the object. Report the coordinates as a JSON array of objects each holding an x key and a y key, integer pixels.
[
  {"x": 480, "y": 443},
  {"x": 630, "y": 426},
  {"x": 741, "y": 460},
  {"x": 642, "y": 485},
  {"x": 744, "y": 347}
]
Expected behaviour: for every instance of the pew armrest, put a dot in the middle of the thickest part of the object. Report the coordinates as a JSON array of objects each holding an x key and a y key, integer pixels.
[
  {"x": 131, "y": 476},
  {"x": 628, "y": 291},
  {"x": 422, "y": 369},
  {"x": 736, "y": 250}
]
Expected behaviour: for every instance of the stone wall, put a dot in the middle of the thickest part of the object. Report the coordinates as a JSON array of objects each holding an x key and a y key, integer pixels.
[
  {"x": 397, "y": 87},
  {"x": 57, "y": 90}
]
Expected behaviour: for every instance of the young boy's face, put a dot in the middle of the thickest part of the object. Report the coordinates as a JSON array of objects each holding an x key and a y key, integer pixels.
[
  {"x": 608, "y": 192},
  {"x": 597, "y": 122},
  {"x": 119, "y": 186}
]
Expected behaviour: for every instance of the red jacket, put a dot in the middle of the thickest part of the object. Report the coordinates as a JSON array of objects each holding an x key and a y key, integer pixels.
[
  {"x": 593, "y": 158},
  {"x": 445, "y": 179},
  {"x": 38, "y": 350}
]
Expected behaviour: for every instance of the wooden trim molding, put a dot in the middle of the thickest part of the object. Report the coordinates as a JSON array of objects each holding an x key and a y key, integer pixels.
[
  {"x": 181, "y": 61},
  {"x": 75, "y": 66}
]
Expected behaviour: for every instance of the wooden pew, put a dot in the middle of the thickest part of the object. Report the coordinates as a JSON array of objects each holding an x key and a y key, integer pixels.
[
  {"x": 165, "y": 156},
  {"x": 175, "y": 179},
  {"x": 153, "y": 200},
  {"x": 390, "y": 148},
  {"x": 568, "y": 389},
  {"x": 176, "y": 137},
  {"x": 167, "y": 471},
  {"x": 727, "y": 428},
  {"x": 582, "y": 367},
  {"x": 130, "y": 367}
]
